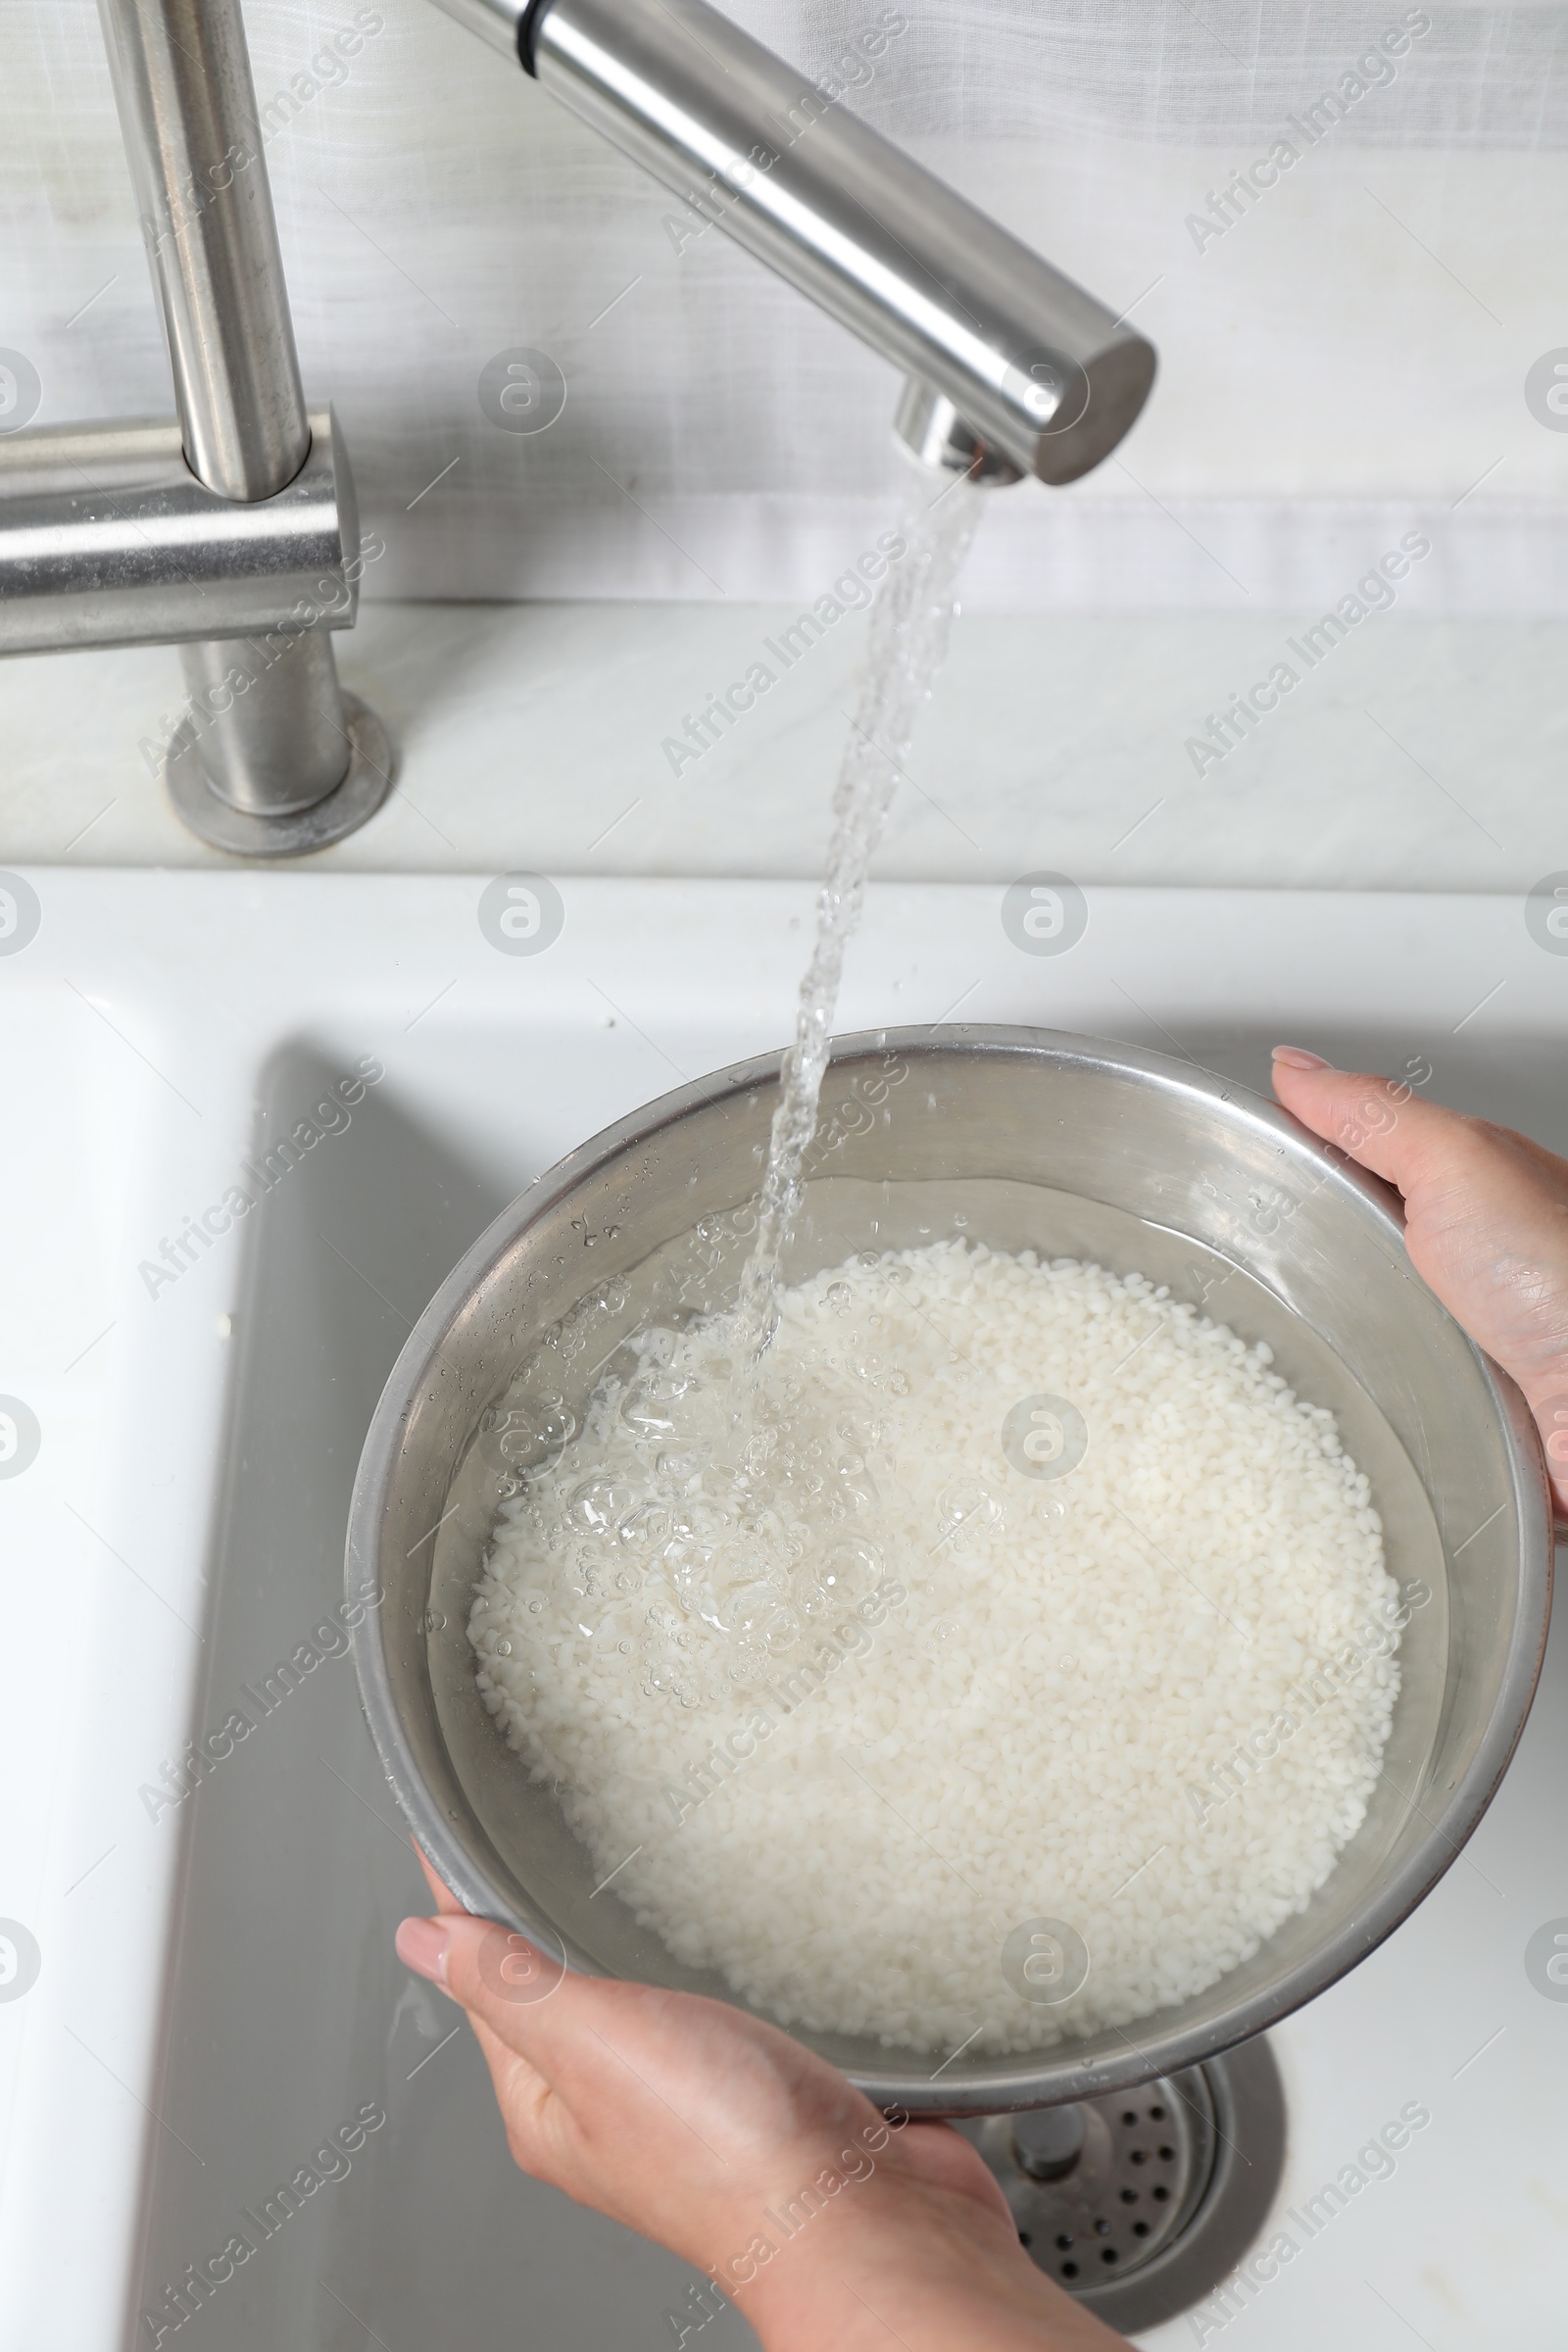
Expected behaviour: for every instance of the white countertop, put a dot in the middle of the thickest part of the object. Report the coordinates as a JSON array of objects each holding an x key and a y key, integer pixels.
[{"x": 1422, "y": 754}]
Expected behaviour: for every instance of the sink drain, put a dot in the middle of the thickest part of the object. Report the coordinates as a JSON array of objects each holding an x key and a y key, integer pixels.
[{"x": 1140, "y": 2202}]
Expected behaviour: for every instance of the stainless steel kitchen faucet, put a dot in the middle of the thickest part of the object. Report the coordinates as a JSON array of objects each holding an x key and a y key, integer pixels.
[
  {"x": 233, "y": 533},
  {"x": 1004, "y": 355}
]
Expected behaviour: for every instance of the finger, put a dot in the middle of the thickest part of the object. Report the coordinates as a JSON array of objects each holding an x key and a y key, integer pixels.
[
  {"x": 1486, "y": 1221},
  {"x": 445, "y": 1899},
  {"x": 603, "y": 2059},
  {"x": 501, "y": 1978},
  {"x": 1481, "y": 1201},
  {"x": 529, "y": 2108},
  {"x": 731, "y": 2087},
  {"x": 523, "y": 2095},
  {"x": 1382, "y": 1122}
]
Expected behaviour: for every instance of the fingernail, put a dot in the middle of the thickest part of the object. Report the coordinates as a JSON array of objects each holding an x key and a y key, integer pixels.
[
  {"x": 1296, "y": 1057},
  {"x": 422, "y": 1946}
]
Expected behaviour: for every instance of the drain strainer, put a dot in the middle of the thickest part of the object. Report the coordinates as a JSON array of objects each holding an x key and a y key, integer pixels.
[{"x": 1140, "y": 2202}]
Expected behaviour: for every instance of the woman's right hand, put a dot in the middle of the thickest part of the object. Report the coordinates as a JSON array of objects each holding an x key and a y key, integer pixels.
[{"x": 1486, "y": 1221}]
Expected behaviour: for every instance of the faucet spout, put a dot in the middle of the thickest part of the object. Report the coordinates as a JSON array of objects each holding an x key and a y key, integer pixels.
[
  {"x": 932, "y": 430},
  {"x": 1004, "y": 350}
]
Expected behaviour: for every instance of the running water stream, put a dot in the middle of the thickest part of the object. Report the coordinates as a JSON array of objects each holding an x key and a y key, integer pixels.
[
  {"x": 911, "y": 623},
  {"x": 729, "y": 1482}
]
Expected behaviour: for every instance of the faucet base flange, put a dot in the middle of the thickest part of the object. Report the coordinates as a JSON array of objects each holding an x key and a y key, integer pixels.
[{"x": 371, "y": 767}]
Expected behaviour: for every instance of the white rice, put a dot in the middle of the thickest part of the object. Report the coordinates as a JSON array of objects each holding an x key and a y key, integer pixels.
[{"x": 1027, "y": 1689}]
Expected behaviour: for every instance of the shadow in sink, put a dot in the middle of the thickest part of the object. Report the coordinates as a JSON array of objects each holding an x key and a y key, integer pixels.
[{"x": 291, "y": 2024}]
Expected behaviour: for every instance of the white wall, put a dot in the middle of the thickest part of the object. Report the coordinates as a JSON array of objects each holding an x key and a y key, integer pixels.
[{"x": 1346, "y": 362}]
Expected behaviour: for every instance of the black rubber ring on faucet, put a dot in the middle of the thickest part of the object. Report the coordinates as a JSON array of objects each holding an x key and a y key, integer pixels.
[{"x": 527, "y": 25}]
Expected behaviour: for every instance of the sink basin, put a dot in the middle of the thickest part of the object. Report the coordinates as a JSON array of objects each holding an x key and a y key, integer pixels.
[{"x": 221, "y": 2048}]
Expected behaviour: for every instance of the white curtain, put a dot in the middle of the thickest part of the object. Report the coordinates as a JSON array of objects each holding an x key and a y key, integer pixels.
[{"x": 1350, "y": 349}]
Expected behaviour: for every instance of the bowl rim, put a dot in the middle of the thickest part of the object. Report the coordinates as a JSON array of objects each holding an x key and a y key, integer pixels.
[{"x": 1034, "y": 2081}]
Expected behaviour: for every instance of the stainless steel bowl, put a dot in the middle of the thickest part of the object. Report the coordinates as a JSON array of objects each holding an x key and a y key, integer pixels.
[{"x": 1037, "y": 1139}]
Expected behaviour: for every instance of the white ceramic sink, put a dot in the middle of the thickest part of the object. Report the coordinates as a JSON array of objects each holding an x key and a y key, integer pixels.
[{"x": 217, "y": 1994}]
